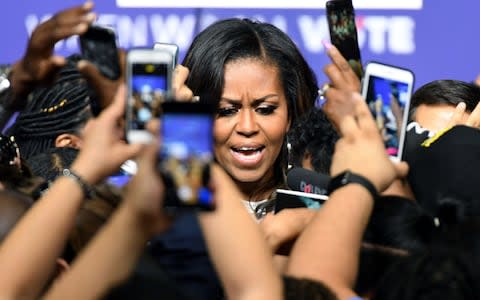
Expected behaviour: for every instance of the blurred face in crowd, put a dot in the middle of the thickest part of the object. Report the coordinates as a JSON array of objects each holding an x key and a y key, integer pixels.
[
  {"x": 435, "y": 117},
  {"x": 251, "y": 122}
]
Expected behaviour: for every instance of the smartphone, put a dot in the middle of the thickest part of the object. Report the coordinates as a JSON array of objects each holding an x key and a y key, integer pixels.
[
  {"x": 343, "y": 32},
  {"x": 295, "y": 199},
  {"x": 172, "y": 48},
  {"x": 99, "y": 46},
  {"x": 149, "y": 76},
  {"x": 186, "y": 153},
  {"x": 387, "y": 90}
]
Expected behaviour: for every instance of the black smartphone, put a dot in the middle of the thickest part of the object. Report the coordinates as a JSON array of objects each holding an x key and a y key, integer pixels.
[
  {"x": 148, "y": 75},
  {"x": 99, "y": 46},
  {"x": 186, "y": 153},
  {"x": 343, "y": 32}
]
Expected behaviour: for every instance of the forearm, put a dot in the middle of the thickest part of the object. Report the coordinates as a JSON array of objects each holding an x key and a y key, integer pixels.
[
  {"x": 333, "y": 238},
  {"x": 237, "y": 246},
  {"x": 28, "y": 255},
  {"x": 111, "y": 255}
]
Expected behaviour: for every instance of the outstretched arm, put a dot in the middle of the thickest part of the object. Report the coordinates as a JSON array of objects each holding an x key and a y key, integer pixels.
[
  {"x": 27, "y": 256},
  {"x": 237, "y": 246},
  {"x": 328, "y": 249},
  {"x": 39, "y": 65},
  {"x": 111, "y": 256}
]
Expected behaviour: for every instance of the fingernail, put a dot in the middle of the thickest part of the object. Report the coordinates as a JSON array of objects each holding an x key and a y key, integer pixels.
[
  {"x": 326, "y": 44},
  {"x": 90, "y": 17},
  {"x": 461, "y": 105},
  {"x": 88, "y": 5},
  {"x": 81, "y": 64},
  {"x": 80, "y": 28}
]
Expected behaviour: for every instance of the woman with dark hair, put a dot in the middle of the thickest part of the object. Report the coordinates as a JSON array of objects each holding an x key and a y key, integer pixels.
[{"x": 260, "y": 84}]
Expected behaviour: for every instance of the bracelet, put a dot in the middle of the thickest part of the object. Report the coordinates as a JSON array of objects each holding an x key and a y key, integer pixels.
[
  {"x": 87, "y": 190},
  {"x": 348, "y": 177}
]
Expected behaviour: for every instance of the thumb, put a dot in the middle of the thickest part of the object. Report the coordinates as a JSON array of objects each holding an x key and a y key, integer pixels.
[
  {"x": 148, "y": 154},
  {"x": 89, "y": 71},
  {"x": 401, "y": 168}
]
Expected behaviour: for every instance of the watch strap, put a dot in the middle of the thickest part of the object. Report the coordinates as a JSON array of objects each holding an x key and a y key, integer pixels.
[
  {"x": 348, "y": 177},
  {"x": 87, "y": 189}
]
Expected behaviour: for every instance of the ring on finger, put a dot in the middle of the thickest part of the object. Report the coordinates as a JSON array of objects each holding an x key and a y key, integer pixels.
[{"x": 323, "y": 90}]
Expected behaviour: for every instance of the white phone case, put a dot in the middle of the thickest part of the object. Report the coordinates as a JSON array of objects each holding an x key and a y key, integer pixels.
[{"x": 382, "y": 85}]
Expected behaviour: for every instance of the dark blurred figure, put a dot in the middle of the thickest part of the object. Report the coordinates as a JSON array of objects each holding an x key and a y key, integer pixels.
[{"x": 312, "y": 142}]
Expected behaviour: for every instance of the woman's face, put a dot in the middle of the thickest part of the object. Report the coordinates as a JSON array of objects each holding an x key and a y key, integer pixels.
[{"x": 251, "y": 121}]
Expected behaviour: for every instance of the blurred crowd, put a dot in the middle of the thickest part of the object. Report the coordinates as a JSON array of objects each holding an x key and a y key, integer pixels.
[{"x": 389, "y": 229}]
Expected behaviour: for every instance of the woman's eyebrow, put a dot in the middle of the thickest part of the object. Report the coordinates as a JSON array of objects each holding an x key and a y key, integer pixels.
[{"x": 256, "y": 101}]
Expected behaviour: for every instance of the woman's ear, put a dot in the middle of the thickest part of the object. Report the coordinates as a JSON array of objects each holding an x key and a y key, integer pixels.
[{"x": 68, "y": 140}]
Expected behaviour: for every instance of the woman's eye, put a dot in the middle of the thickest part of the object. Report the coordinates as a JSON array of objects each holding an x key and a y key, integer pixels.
[
  {"x": 266, "y": 110},
  {"x": 226, "y": 111}
]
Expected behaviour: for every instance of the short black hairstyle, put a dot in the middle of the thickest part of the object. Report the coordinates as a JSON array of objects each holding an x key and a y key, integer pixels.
[
  {"x": 450, "y": 92},
  {"x": 313, "y": 134}
]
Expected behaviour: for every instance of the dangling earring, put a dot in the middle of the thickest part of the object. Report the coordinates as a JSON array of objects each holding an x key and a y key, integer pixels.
[{"x": 289, "y": 160}]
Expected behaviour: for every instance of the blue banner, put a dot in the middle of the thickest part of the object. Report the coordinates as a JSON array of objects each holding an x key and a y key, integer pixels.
[{"x": 435, "y": 39}]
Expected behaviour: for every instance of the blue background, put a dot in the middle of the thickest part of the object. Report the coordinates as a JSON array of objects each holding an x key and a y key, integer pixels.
[{"x": 440, "y": 42}]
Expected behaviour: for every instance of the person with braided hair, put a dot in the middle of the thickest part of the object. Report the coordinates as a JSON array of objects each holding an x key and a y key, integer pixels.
[{"x": 55, "y": 115}]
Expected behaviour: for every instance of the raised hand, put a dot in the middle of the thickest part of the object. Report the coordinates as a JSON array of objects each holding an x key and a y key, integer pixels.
[
  {"x": 103, "y": 148},
  {"x": 361, "y": 149},
  {"x": 39, "y": 65},
  {"x": 105, "y": 88}
]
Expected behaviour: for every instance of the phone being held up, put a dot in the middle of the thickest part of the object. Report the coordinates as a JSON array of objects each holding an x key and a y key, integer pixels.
[
  {"x": 186, "y": 154},
  {"x": 99, "y": 46},
  {"x": 343, "y": 32},
  {"x": 387, "y": 90},
  {"x": 149, "y": 83}
]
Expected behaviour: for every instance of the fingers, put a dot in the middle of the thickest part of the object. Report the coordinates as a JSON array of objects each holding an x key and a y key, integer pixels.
[
  {"x": 338, "y": 105},
  {"x": 363, "y": 114},
  {"x": 401, "y": 169},
  {"x": 457, "y": 116},
  {"x": 348, "y": 127},
  {"x": 64, "y": 24},
  {"x": 474, "y": 118},
  {"x": 340, "y": 72},
  {"x": 477, "y": 80},
  {"x": 89, "y": 71},
  {"x": 181, "y": 91},
  {"x": 147, "y": 159},
  {"x": 117, "y": 108}
]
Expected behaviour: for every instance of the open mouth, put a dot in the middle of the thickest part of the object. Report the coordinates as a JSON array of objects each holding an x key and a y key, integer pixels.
[
  {"x": 248, "y": 150},
  {"x": 248, "y": 155}
]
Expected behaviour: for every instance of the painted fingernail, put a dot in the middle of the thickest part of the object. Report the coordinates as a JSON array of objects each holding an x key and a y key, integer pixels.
[
  {"x": 80, "y": 28},
  {"x": 326, "y": 44},
  {"x": 88, "y": 5}
]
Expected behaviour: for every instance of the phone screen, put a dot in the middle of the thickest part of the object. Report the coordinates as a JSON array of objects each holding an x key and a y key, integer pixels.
[
  {"x": 343, "y": 32},
  {"x": 388, "y": 101},
  {"x": 149, "y": 85},
  {"x": 186, "y": 153},
  {"x": 99, "y": 46}
]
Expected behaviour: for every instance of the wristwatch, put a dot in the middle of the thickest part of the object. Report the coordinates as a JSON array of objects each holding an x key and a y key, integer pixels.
[{"x": 348, "y": 177}]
